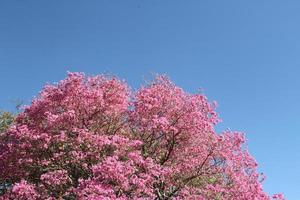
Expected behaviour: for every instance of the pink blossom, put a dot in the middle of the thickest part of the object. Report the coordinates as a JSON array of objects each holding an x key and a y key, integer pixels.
[{"x": 93, "y": 138}]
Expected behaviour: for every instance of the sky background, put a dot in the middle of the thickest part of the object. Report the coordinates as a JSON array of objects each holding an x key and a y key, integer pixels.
[{"x": 243, "y": 54}]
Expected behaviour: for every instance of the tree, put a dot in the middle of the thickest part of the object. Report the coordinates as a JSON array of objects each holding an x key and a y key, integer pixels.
[
  {"x": 93, "y": 138},
  {"x": 6, "y": 119}
]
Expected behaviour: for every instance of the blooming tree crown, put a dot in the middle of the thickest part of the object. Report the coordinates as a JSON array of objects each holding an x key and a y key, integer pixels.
[{"x": 93, "y": 138}]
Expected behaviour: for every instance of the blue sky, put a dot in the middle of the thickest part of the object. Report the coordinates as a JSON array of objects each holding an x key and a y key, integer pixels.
[{"x": 244, "y": 54}]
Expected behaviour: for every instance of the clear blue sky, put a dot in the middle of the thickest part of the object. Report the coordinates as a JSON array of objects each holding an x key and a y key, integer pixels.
[{"x": 244, "y": 54}]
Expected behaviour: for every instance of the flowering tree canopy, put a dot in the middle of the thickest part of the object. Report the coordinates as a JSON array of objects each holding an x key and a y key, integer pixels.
[{"x": 91, "y": 138}]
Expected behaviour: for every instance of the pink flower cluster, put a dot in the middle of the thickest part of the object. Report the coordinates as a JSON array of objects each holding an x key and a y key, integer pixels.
[
  {"x": 57, "y": 177},
  {"x": 93, "y": 138},
  {"x": 21, "y": 191}
]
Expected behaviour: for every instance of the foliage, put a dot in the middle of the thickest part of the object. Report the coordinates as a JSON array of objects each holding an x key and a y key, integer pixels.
[
  {"x": 93, "y": 138},
  {"x": 6, "y": 119}
]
